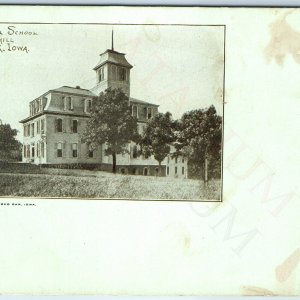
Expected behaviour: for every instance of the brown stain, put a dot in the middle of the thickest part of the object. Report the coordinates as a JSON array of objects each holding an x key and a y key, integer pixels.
[
  {"x": 256, "y": 291},
  {"x": 284, "y": 41},
  {"x": 284, "y": 270}
]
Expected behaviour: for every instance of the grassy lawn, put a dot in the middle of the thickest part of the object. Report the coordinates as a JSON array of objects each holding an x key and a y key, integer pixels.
[{"x": 96, "y": 184}]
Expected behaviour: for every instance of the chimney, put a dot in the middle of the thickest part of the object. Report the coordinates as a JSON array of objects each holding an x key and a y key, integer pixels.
[{"x": 77, "y": 87}]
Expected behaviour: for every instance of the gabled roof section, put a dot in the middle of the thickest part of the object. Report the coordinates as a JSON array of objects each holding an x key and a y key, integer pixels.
[
  {"x": 74, "y": 90},
  {"x": 134, "y": 100},
  {"x": 114, "y": 57}
]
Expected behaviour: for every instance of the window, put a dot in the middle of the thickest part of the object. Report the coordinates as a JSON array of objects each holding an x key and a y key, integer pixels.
[
  {"x": 183, "y": 160},
  {"x": 40, "y": 104},
  {"x": 42, "y": 149},
  {"x": 145, "y": 112},
  {"x": 32, "y": 151},
  {"x": 182, "y": 170},
  {"x": 122, "y": 74},
  {"x": 145, "y": 171},
  {"x": 91, "y": 153},
  {"x": 88, "y": 106},
  {"x": 134, "y": 152},
  {"x": 149, "y": 113},
  {"x": 28, "y": 151},
  {"x": 38, "y": 128},
  {"x": 101, "y": 74},
  {"x": 37, "y": 105},
  {"x": 134, "y": 111},
  {"x": 42, "y": 126},
  {"x": 175, "y": 170},
  {"x": 74, "y": 126},
  {"x": 74, "y": 150},
  {"x": 24, "y": 130},
  {"x": 59, "y": 149},
  {"x": 58, "y": 125},
  {"x": 38, "y": 150},
  {"x": 24, "y": 149},
  {"x": 68, "y": 103},
  {"x": 176, "y": 159},
  {"x": 32, "y": 129},
  {"x": 168, "y": 170},
  {"x": 114, "y": 72},
  {"x": 156, "y": 171},
  {"x": 168, "y": 159}
]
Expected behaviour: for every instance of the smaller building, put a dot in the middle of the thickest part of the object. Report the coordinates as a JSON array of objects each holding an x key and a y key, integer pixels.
[{"x": 176, "y": 167}]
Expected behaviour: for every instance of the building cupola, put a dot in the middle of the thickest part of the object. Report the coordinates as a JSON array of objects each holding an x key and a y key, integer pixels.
[{"x": 112, "y": 71}]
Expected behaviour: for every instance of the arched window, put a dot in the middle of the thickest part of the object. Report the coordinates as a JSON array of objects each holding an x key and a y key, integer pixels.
[
  {"x": 58, "y": 125},
  {"x": 145, "y": 171},
  {"x": 74, "y": 126}
]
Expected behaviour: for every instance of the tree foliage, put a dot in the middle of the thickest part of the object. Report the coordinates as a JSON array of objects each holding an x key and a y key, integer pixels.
[
  {"x": 158, "y": 136},
  {"x": 10, "y": 147},
  {"x": 111, "y": 123},
  {"x": 199, "y": 137}
]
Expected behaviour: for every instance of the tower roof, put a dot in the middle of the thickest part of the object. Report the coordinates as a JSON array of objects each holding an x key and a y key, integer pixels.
[{"x": 114, "y": 57}]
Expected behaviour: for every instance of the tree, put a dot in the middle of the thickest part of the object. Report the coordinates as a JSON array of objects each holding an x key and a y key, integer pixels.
[
  {"x": 199, "y": 138},
  {"x": 10, "y": 148},
  {"x": 157, "y": 137},
  {"x": 111, "y": 123}
]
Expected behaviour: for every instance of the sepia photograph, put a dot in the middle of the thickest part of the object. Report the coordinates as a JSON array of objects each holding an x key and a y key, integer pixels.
[
  {"x": 149, "y": 151},
  {"x": 112, "y": 111}
]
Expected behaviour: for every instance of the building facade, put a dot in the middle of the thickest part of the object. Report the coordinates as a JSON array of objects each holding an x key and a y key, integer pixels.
[{"x": 58, "y": 117}]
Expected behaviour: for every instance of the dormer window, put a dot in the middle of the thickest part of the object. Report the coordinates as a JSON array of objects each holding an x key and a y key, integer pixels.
[{"x": 68, "y": 103}]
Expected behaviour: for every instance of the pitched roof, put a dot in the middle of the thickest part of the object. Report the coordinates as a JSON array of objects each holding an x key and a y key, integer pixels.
[
  {"x": 74, "y": 90},
  {"x": 141, "y": 101},
  {"x": 114, "y": 57}
]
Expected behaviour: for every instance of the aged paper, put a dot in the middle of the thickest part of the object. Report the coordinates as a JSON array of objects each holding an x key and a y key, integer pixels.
[{"x": 233, "y": 230}]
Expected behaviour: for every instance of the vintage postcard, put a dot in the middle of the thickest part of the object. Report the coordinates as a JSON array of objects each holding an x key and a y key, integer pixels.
[
  {"x": 114, "y": 111},
  {"x": 149, "y": 150}
]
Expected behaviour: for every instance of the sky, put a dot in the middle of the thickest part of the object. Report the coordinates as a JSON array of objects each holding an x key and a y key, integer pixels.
[{"x": 179, "y": 68}]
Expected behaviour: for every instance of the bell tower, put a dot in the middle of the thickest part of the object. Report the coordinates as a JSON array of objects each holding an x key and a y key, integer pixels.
[{"x": 113, "y": 70}]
